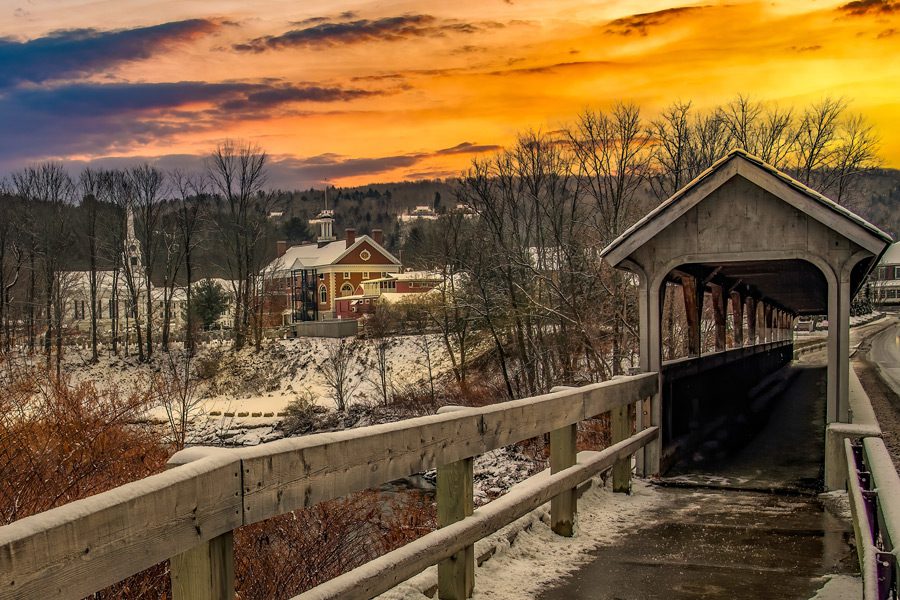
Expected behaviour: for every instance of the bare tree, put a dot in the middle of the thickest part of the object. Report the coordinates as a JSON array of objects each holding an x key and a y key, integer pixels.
[
  {"x": 856, "y": 153},
  {"x": 48, "y": 187},
  {"x": 12, "y": 256},
  {"x": 817, "y": 132},
  {"x": 377, "y": 331},
  {"x": 148, "y": 185},
  {"x": 336, "y": 369},
  {"x": 126, "y": 261},
  {"x": 91, "y": 184},
  {"x": 612, "y": 162},
  {"x": 171, "y": 249},
  {"x": 237, "y": 173},
  {"x": 191, "y": 189},
  {"x": 175, "y": 388}
]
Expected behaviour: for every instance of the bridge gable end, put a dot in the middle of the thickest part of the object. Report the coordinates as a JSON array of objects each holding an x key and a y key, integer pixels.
[{"x": 761, "y": 200}]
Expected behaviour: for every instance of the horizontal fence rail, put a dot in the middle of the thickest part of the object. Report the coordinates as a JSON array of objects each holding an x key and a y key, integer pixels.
[
  {"x": 186, "y": 512},
  {"x": 873, "y": 488}
]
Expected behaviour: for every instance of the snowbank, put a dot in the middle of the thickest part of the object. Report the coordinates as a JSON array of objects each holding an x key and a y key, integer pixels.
[{"x": 539, "y": 557}]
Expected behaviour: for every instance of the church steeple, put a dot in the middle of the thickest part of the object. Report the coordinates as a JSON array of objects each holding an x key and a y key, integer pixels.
[
  {"x": 132, "y": 244},
  {"x": 325, "y": 221}
]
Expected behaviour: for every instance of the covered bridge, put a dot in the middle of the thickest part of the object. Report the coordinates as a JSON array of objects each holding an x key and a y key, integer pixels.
[{"x": 760, "y": 243}]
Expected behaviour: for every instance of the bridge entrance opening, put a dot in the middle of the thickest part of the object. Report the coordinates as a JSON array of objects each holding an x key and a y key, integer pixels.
[{"x": 726, "y": 385}]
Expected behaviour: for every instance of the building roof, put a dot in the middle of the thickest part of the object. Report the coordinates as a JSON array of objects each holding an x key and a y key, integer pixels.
[
  {"x": 891, "y": 255},
  {"x": 817, "y": 206},
  {"x": 312, "y": 256},
  {"x": 417, "y": 276}
]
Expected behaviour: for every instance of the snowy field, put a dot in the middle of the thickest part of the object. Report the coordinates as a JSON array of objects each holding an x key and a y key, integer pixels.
[{"x": 242, "y": 396}]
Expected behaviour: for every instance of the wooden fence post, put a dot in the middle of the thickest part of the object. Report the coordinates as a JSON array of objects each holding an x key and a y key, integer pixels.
[
  {"x": 456, "y": 575},
  {"x": 620, "y": 420},
  {"x": 562, "y": 456},
  {"x": 205, "y": 572}
]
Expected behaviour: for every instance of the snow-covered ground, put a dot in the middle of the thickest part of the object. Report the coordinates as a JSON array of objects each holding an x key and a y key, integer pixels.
[
  {"x": 539, "y": 557},
  {"x": 256, "y": 386}
]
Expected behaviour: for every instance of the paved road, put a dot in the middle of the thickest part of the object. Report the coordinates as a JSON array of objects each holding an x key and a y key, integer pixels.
[{"x": 885, "y": 352}]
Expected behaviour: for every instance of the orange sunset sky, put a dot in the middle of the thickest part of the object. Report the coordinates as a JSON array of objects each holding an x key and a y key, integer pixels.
[{"x": 358, "y": 92}]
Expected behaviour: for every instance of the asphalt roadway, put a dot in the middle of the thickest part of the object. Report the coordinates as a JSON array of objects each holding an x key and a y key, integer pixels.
[{"x": 885, "y": 352}]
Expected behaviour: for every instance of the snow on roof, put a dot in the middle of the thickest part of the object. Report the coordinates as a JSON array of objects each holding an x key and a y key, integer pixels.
[
  {"x": 311, "y": 256},
  {"x": 417, "y": 276},
  {"x": 407, "y": 296},
  {"x": 891, "y": 255}
]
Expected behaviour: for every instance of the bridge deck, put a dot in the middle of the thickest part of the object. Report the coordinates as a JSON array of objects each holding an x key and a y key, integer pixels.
[
  {"x": 735, "y": 542},
  {"x": 787, "y": 455},
  {"x": 728, "y": 544}
]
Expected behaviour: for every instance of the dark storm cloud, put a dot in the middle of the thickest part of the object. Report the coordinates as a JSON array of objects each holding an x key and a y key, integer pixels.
[
  {"x": 864, "y": 7},
  {"x": 334, "y": 32},
  {"x": 81, "y": 52},
  {"x": 110, "y": 98},
  {"x": 639, "y": 23}
]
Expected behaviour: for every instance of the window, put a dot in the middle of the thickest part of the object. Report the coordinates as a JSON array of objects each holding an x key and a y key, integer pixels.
[
  {"x": 896, "y": 272},
  {"x": 321, "y": 275},
  {"x": 323, "y": 295},
  {"x": 365, "y": 274},
  {"x": 365, "y": 255},
  {"x": 346, "y": 290},
  {"x": 346, "y": 274}
]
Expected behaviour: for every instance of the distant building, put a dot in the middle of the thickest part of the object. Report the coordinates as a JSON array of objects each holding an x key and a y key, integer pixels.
[
  {"x": 392, "y": 288},
  {"x": 419, "y": 213},
  {"x": 305, "y": 281},
  {"x": 884, "y": 286}
]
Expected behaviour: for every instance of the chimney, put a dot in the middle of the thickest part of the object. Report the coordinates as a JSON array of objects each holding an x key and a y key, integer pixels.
[
  {"x": 378, "y": 236},
  {"x": 280, "y": 248},
  {"x": 351, "y": 237}
]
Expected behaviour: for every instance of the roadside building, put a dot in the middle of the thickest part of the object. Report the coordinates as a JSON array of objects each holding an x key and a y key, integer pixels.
[{"x": 884, "y": 286}]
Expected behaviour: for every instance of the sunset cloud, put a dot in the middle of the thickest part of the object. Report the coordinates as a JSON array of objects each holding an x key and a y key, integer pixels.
[
  {"x": 864, "y": 7},
  {"x": 320, "y": 34},
  {"x": 642, "y": 22},
  {"x": 99, "y": 117},
  {"x": 83, "y": 52},
  {"x": 376, "y": 92}
]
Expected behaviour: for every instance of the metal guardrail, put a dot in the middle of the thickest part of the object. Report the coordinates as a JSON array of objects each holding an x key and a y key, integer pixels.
[
  {"x": 188, "y": 513},
  {"x": 874, "y": 493}
]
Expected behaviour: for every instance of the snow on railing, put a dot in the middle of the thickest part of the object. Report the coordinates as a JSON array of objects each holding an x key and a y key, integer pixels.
[
  {"x": 874, "y": 492},
  {"x": 188, "y": 513}
]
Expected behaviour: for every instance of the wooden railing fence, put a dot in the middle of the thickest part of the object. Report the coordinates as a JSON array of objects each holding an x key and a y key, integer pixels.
[{"x": 188, "y": 513}]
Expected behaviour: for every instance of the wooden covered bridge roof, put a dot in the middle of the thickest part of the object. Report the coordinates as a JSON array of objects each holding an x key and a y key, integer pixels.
[{"x": 744, "y": 224}]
